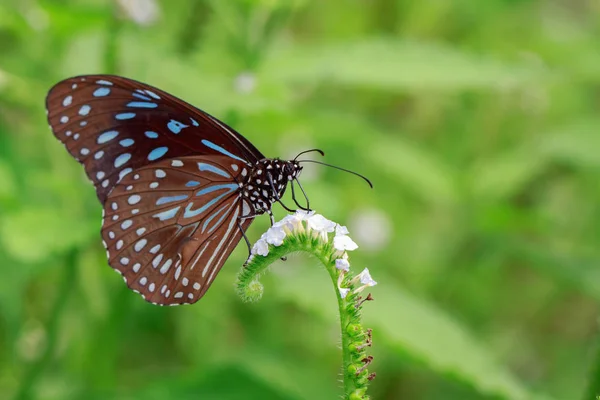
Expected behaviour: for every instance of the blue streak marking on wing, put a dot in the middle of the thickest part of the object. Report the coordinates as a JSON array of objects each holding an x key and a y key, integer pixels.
[
  {"x": 170, "y": 199},
  {"x": 209, "y": 219},
  {"x": 176, "y": 126},
  {"x": 212, "y": 188},
  {"x": 142, "y": 104},
  {"x": 141, "y": 96},
  {"x": 192, "y": 213},
  {"x": 167, "y": 214},
  {"x": 126, "y": 142},
  {"x": 103, "y": 82},
  {"x": 107, "y": 136},
  {"x": 194, "y": 122},
  {"x": 151, "y": 135},
  {"x": 101, "y": 92},
  {"x": 157, "y": 153},
  {"x": 123, "y": 116},
  {"x": 213, "y": 169},
  {"x": 152, "y": 94},
  {"x": 221, "y": 150},
  {"x": 192, "y": 183}
]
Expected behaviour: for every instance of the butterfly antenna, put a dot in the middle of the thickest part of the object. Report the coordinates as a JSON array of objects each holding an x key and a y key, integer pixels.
[
  {"x": 340, "y": 168},
  {"x": 309, "y": 151}
]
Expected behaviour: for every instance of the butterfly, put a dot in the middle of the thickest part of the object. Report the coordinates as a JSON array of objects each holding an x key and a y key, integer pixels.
[{"x": 178, "y": 187}]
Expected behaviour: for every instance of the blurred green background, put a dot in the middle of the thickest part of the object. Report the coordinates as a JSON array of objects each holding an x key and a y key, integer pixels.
[{"x": 475, "y": 119}]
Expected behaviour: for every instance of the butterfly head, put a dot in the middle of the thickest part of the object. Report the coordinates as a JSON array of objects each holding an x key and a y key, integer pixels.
[{"x": 292, "y": 169}]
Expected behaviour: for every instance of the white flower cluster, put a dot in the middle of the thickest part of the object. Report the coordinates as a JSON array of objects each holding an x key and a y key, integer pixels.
[{"x": 318, "y": 226}]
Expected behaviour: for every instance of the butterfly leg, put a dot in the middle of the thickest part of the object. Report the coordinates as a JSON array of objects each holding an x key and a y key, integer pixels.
[
  {"x": 295, "y": 200},
  {"x": 304, "y": 193},
  {"x": 271, "y": 217},
  {"x": 277, "y": 196},
  {"x": 247, "y": 241}
]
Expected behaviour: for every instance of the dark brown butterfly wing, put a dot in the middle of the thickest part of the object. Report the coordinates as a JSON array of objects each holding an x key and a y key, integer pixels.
[
  {"x": 114, "y": 125},
  {"x": 168, "y": 227}
]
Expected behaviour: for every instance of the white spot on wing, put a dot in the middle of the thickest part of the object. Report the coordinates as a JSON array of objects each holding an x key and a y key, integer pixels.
[
  {"x": 165, "y": 268},
  {"x": 157, "y": 260},
  {"x": 134, "y": 199}
]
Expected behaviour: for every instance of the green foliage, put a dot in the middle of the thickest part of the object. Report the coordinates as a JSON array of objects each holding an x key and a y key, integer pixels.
[{"x": 477, "y": 122}]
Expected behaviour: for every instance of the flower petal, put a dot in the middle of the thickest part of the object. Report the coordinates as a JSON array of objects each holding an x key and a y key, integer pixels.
[
  {"x": 342, "y": 264},
  {"x": 261, "y": 247},
  {"x": 275, "y": 235},
  {"x": 320, "y": 224},
  {"x": 365, "y": 278},
  {"x": 341, "y": 230},
  {"x": 344, "y": 242}
]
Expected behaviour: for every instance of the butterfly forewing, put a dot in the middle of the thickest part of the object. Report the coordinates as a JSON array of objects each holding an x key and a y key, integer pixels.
[
  {"x": 168, "y": 227},
  {"x": 114, "y": 125}
]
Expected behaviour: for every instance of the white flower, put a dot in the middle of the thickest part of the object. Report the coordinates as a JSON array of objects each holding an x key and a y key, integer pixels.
[
  {"x": 342, "y": 264},
  {"x": 293, "y": 222},
  {"x": 321, "y": 225},
  {"x": 365, "y": 278},
  {"x": 343, "y": 292},
  {"x": 261, "y": 248},
  {"x": 275, "y": 235},
  {"x": 341, "y": 230},
  {"x": 343, "y": 243},
  {"x": 316, "y": 223}
]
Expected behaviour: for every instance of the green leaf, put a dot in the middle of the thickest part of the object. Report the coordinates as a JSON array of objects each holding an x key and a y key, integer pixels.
[
  {"x": 297, "y": 379},
  {"x": 506, "y": 174},
  {"x": 31, "y": 235},
  {"x": 577, "y": 143},
  {"x": 418, "y": 169},
  {"x": 395, "y": 65},
  {"x": 224, "y": 382}
]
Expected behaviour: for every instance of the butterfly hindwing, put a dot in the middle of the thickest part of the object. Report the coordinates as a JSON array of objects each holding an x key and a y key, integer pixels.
[{"x": 168, "y": 227}]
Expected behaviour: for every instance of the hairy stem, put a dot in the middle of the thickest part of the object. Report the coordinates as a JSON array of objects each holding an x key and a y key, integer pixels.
[{"x": 355, "y": 339}]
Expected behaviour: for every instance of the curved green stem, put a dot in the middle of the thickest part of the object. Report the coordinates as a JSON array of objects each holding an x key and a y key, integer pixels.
[{"x": 355, "y": 339}]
